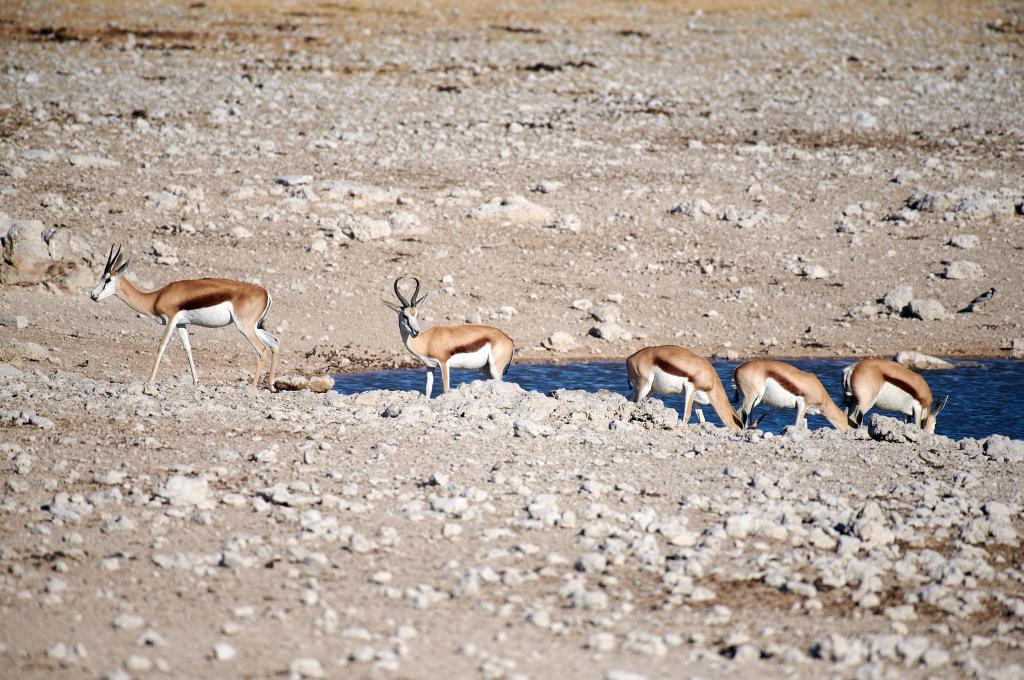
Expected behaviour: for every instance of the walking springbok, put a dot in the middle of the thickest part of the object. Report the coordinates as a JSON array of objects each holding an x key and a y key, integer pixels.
[
  {"x": 779, "y": 385},
  {"x": 671, "y": 369},
  {"x": 890, "y": 386},
  {"x": 447, "y": 347},
  {"x": 212, "y": 303}
]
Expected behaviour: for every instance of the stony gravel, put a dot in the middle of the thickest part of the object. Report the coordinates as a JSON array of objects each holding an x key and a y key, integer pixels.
[
  {"x": 745, "y": 179},
  {"x": 492, "y": 532}
]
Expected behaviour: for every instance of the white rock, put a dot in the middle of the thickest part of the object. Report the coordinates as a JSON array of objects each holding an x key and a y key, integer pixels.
[
  {"x": 546, "y": 186},
  {"x": 864, "y": 120},
  {"x": 559, "y": 341},
  {"x": 87, "y": 161},
  {"x": 515, "y": 209},
  {"x": 306, "y": 668},
  {"x": 926, "y": 309},
  {"x": 185, "y": 491},
  {"x": 608, "y": 330},
  {"x": 814, "y": 271},
  {"x": 964, "y": 241},
  {"x": 294, "y": 180},
  {"x": 898, "y": 298},
  {"x": 963, "y": 270},
  {"x": 601, "y": 642},
  {"x": 222, "y": 651},
  {"x": 240, "y": 233},
  {"x": 128, "y": 621},
  {"x": 922, "y": 362}
]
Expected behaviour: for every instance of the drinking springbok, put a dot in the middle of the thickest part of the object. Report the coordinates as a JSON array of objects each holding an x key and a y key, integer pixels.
[
  {"x": 890, "y": 386},
  {"x": 447, "y": 347},
  {"x": 671, "y": 369},
  {"x": 779, "y": 385},
  {"x": 212, "y": 303}
]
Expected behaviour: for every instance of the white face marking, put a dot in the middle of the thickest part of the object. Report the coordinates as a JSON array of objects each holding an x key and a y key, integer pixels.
[
  {"x": 411, "y": 320},
  {"x": 104, "y": 289}
]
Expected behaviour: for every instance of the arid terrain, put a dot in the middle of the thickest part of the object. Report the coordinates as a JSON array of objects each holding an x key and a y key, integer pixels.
[{"x": 742, "y": 178}]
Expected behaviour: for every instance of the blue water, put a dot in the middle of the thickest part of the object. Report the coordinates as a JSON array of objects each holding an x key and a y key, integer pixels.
[{"x": 984, "y": 395}]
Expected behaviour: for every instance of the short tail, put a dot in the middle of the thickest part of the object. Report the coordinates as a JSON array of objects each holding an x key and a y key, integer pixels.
[
  {"x": 511, "y": 358},
  {"x": 735, "y": 389},
  {"x": 266, "y": 310}
]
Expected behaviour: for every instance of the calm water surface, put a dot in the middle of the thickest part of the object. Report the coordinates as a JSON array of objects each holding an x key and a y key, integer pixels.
[{"x": 984, "y": 395}]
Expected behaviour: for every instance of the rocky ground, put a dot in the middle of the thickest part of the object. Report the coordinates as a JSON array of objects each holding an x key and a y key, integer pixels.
[
  {"x": 737, "y": 179},
  {"x": 492, "y": 532},
  {"x": 742, "y": 178}
]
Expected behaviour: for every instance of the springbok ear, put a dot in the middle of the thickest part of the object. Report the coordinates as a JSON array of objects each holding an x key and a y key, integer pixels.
[
  {"x": 422, "y": 299},
  {"x": 941, "y": 405},
  {"x": 392, "y": 306},
  {"x": 124, "y": 265}
]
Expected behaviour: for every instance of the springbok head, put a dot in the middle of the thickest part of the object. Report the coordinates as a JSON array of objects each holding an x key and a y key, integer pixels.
[
  {"x": 929, "y": 420},
  {"x": 116, "y": 264},
  {"x": 408, "y": 323}
]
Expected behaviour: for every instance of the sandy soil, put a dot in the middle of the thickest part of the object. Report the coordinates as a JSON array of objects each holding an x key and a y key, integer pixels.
[{"x": 742, "y": 178}]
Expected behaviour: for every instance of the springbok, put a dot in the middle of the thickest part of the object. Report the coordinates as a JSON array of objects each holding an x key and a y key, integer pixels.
[
  {"x": 671, "y": 369},
  {"x": 890, "y": 386},
  {"x": 212, "y": 303},
  {"x": 447, "y": 347},
  {"x": 779, "y": 385}
]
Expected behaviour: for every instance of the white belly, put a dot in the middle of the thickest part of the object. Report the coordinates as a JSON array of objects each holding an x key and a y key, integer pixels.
[
  {"x": 209, "y": 317},
  {"x": 777, "y": 396},
  {"x": 892, "y": 398},
  {"x": 477, "y": 359},
  {"x": 666, "y": 383}
]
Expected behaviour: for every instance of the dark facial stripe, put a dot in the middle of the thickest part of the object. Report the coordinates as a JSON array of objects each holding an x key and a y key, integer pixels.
[
  {"x": 470, "y": 347},
  {"x": 671, "y": 369}
]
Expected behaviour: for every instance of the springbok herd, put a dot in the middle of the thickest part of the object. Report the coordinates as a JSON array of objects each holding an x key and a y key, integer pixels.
[{"x": 664, "y": 369}]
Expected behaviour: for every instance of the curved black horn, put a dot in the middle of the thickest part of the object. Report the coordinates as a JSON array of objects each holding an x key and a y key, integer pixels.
[
  {"x": 110, "y": 259},
  {"x": 416, "y": 293},
  {"x": 398, "y": 293}
]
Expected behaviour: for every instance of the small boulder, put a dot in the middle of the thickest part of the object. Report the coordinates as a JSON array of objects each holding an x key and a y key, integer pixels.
[
  {"x": 898, "y": 298},
  {"x": 922, "y": 362},
  {"x": 963, "y": 270},
  {"x": 559, "y": 341},
  {"x": 607, "y": 330},
  {"x": 814, "y": 271},
  {"x": 925, "y": 309},
  {"x": 885, "y": 429},
  {"x": 963, "y": 241},
  {"x": 1003, "y": 449},
  {"x": 515, "y": 209}
]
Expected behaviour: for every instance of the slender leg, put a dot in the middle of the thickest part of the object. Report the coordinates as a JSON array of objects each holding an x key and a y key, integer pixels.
[
  {"x": 183, "y": 334},
  {"x": 801, "y": 413},
  {"x": 430, "y": 382},
  {"x": 688, "y": 400},
  {"x": 163, "y": 347},
  {"x": 257, "y": 344},
  {"x": 444, "y": 376},
  {"x": 700, "y": 415},
  {"x": 275, "y": 348}
]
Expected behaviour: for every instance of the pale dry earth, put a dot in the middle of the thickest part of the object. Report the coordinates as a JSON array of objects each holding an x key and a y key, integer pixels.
[{"x": 740, "y": 178}]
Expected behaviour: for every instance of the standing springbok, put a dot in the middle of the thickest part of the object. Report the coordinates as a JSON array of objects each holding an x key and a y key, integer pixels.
[
  {"x": 671, "y": 369},
  {"x": 888, "y": 385},
  {"x": 779, "y": 385},
  {"x": 212, "y": 303},
  {"x": 447, "y": 347}
]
